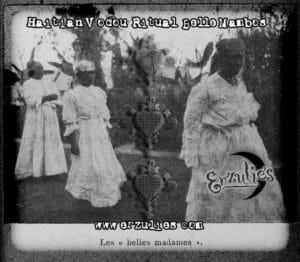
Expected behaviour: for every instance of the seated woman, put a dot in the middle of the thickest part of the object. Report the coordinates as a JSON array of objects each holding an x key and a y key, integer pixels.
[
  {"x": 41, "y": 151},
  {"x": 96, "y": 174},
  {"x": 218, "y": 122}
]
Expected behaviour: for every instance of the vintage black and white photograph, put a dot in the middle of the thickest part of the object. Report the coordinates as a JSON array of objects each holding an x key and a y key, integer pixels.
[{"x": 149, "y": 113}]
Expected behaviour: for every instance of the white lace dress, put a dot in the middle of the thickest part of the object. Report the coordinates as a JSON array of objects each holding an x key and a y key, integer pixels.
[
  {"x": 218, "y": 122},
  {"x": 41, "y": 151},
  {"x": 96, "y": 174}
]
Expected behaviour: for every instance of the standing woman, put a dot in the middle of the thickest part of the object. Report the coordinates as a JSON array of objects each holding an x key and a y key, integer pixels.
[
  {"x": 41, "y": 151},
  {"x": 219, "y": 121},
  {"x": 96, "y": 174}
]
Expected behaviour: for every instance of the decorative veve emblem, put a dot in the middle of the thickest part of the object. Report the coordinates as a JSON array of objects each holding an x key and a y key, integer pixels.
[
  {"x": 148, "y": 184},
  {"x": 148, "y": 120}
]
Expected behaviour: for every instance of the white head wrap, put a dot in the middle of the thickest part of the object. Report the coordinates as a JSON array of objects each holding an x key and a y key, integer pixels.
[{"x": 84, "y": 65}]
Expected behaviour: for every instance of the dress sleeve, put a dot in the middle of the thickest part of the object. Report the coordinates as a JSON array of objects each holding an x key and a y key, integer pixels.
[
  {"x": 58, "y": 101},
  {"x": 17, "y": 94},
  {"x": 205, "y": 141},
  {"x": 225, "y": 110},
  {"x": 197, "y": 104},
  {"x": 69, "y": 113},
  {"x": 104, "y": 111},
  {"x": 251, "y": 107}
]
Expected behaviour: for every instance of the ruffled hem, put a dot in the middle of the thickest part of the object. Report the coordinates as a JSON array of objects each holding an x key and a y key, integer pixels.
[
  {"x": 95, "y": 201},
  {"x": 23, "y": 176},
  {"x": 19, "y": 176}
]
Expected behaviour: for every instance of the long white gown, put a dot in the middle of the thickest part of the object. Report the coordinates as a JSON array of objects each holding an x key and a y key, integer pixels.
[
  {"x": 96, "y": 174},
  {"x": 212, "y": 132},
  {"x": 41, "y": 151}
]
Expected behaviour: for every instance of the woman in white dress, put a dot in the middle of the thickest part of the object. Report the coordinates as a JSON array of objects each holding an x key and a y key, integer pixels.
[
  {"x": 41, "y": 151},
  {"x": 217, "y": 123},
  {"x": 96, "y": 174}
]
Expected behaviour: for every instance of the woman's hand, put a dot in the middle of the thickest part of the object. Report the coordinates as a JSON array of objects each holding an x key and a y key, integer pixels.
[
  {"x": 75, "y": 149},
  {"x": 239, "y": 120},
  {"x": 108, "y": 124},
  {"x": 74, "y": 137}
]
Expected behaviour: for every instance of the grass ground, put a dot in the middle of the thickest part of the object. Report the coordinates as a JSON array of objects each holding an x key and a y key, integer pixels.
[{"x": 44, "y": 200}]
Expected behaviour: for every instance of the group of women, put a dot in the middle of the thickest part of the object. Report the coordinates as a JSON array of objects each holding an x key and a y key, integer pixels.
[
  {"x": 218, "y": 121},
  {"x": 95, "y": 174}
]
